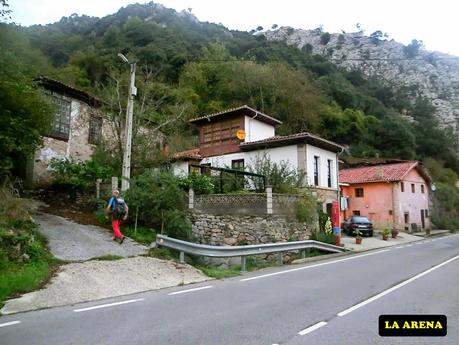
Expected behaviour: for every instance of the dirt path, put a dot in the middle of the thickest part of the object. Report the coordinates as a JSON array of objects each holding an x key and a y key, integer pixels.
[{"x": 70, "y": 241}]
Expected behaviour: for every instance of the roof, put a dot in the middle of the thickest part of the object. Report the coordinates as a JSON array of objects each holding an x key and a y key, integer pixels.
[
  {"x": 243, "y": 110},
  {"x": 280, "y": 140},
  {"x": 187, "y": 155},
  {"x": 59, "y": 87},
  {"x": 382, "y": 173}
]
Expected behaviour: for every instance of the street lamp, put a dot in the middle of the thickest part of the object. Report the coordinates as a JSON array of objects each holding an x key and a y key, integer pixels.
[{"x": 126, "y": 173}]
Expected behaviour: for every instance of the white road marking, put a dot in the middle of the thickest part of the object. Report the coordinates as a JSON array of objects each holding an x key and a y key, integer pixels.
[
  {"x": 398, "y": 247},
  {"x": 312, "y": 266},
  {"x": 190, "y": 290},
  {"x": 9, "y": 323},
  {"x": 398, "y": 286},
  {"x": 409, "y": 245},
  {"x": 108, "y": 305},
  {"x": 312, "y": 328}
]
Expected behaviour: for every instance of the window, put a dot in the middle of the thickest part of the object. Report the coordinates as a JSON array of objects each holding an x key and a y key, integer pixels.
[
  {"x": 413, "y": 189},
  {"x": 356, "y": 213},
  {"x": 316, "y": 170},
  {"x": 402, "y": 187},
  {"x": 422, "y": 188},
  {"x": 237, "y": 164},
  {"x": 359, "y": 192},
  {"x": 95, "y": 130},
  {"x": 204, "y": 170},
  {"x": 426, "y": 213},
  {"x": 220, "y": 133},
  {"x": 60, "y": 127},
  {"x": 329, "y": 173},
  {"x": 391, "y": 213}
]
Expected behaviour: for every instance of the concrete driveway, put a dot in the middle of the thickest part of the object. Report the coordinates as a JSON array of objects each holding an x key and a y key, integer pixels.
[{"x": 377, "y": 242}]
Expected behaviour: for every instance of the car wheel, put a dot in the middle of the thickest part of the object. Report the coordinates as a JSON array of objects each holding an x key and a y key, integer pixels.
[{"x": 370, "y": 234}]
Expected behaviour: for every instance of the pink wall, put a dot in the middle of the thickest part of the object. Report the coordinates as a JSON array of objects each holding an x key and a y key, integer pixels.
[
  {"x": 413, "y": 203},
  {"x": 375, "y": 203},
  {"x": 385, "y": 204}
]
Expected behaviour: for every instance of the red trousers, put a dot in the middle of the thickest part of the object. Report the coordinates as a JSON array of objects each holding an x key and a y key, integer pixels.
[{"x": 116, "y": 228}]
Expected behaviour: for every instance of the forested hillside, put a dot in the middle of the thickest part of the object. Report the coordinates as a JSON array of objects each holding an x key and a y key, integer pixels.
[{"x": 188, "y": 68}]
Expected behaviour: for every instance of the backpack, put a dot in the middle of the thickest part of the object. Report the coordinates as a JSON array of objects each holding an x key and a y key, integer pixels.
[{"x": 119, "y": 208}]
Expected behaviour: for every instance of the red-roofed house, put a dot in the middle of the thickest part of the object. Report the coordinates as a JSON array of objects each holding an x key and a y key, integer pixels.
[
  {"x": 237, "y": 137},
  {"x": 391, "y": 195}
]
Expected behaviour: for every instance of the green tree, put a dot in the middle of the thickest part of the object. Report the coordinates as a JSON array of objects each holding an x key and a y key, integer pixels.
[{"x": 24, "y": 113}]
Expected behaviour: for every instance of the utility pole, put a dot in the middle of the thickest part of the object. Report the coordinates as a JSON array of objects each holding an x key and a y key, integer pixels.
[{"x": 126, "y": 173}]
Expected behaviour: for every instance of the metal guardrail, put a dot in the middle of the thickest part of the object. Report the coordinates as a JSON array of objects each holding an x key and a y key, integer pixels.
[{"x": 242, "y": 251}]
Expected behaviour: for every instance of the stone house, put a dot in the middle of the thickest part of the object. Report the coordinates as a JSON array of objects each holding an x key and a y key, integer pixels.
[
  {"x": 238, "y": 137},
  {"x": 76, "y": 129},
  {"x": 391, "y": 195}
]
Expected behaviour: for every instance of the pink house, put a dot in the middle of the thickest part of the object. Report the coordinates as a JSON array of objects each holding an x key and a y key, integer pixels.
[{"x": 391, "y": 195}]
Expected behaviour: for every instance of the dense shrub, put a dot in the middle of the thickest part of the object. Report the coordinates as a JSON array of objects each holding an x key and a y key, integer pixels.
[
  {"x": 201, "y": 184},
  {"x": 306, "y": 209},
  {"x": 160, "y": 203},
  {"x": 281, "y": 176},
  {"x": 78, "y": 176}
]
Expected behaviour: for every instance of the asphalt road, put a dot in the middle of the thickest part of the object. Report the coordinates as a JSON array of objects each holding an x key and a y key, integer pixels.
[{"x": 336, "y": 301}]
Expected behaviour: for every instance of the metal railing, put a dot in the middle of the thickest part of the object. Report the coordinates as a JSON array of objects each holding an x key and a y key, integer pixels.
[{"x": 243, "y": 251}]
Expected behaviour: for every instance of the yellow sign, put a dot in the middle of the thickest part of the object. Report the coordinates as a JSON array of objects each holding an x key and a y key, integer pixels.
[{"x": 240, "y": 134}]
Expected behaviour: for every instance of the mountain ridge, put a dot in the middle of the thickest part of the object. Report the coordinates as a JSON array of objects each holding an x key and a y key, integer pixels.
[{"x": 433, "y": 75}]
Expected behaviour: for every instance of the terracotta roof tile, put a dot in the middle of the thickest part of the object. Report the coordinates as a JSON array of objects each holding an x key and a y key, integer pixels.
[
  {"x": 376, "y": 173},
  {"x": 262, "y": 117},
  {"x": 298, "y": 137},
  {"x": 188, "y": 154}
]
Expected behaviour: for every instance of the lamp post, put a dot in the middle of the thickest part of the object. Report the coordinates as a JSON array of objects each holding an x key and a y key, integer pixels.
[{"x": 126, "y": 172}]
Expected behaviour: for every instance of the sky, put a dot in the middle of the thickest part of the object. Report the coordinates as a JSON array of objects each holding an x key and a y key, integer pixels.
[{"x": 433, "y": 22}]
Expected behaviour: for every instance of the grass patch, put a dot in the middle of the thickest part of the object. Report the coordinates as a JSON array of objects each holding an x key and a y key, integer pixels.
[
  {"x": 220, "y": 273},
  {"x": 143, "y": 235},
  {"x": 108, "y": 258},
  {"x": 19, "y": 279},
  {"x": 162, "y": 253},
  {"x": 25, "y": 263}
]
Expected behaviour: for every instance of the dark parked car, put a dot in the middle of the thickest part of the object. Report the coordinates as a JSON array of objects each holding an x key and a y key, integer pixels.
[{"x": 361, "y": 223}]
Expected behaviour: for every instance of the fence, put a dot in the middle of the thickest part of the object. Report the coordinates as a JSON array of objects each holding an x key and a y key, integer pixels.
[
  {"x": 244, "y": 204},
  {"x": 243, "y": 251}
]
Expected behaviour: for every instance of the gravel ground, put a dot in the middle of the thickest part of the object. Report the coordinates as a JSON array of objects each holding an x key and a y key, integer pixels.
[{"x": 93, "y": 280}]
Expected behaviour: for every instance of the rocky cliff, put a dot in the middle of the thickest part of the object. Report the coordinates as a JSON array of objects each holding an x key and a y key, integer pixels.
[{"x": 427, "y": 74}]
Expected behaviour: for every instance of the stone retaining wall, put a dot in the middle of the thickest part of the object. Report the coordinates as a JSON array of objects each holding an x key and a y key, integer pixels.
[
  {"x": 232, "y": 230},
  {"x": 243, "y": 229}
]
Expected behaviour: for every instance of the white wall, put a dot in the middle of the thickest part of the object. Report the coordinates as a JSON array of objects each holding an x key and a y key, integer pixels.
[
  {"x": 276, "y": 155},
  {"x": 180, "y": 168},
  {"x": 257, "y": 130},
  {"x": 324, "y": 156}
]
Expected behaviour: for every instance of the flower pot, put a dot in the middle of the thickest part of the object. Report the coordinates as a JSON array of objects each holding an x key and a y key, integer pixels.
[
  {"x": 385, "y": 237},
  {"x": 358, "y": 241},
  {"x": 394, "y": 233}
]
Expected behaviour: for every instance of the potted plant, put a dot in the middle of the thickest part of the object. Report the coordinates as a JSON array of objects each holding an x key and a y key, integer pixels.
[
  {"x": 385, "y": 234},
  {"x": 394, "y": 232},
  {"x": 358, "y": 237}
]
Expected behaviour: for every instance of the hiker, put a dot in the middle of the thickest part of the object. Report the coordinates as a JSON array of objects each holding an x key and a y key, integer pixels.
[{"x": 119, "y": 210}]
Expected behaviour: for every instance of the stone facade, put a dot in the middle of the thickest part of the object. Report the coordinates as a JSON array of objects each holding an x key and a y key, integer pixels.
[{"x": 77, "y": 146}]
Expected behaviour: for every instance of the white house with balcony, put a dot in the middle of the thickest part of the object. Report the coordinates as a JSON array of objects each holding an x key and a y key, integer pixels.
[{"x": 238, "y": 137}]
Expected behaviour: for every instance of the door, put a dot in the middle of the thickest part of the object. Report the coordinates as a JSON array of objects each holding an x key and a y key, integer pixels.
[{"x": 423, "y": 221}]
